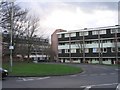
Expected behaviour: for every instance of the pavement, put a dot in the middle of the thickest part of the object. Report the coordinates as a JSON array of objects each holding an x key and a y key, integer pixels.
[{"x": 94, "y": 76}]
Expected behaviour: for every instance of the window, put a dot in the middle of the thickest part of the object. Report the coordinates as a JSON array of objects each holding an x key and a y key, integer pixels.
[
  {"x": 113, "y": 50},
  {"x": 59, "y": 36},
  {"x": 73, "y": 50},
  {"x": 118, "y": 40},
  {"x": 85, "y": 33},
  {"x": 73, "y": 34},
  {"x": 96, "y": 50},
  {"x": 67, "y": 43},
  {"x": 67, "y": 35},
  {"x": 118, "y": 30},
  {"x": 94, "y": 32},
  {"x": 115, "y": 30},
  {"x": 72, "y": 42},
  {"x": 67, "y": 50},
  {"x": 118, "y": 49},
  {"x": 86, "y": 50},
  {"x": 59, "y": 50},
  {"x": 94, "y": 41},
  {"x": 80, "y": 33},
  {"x": 88, "y": 42},
  {"x": 102, "y": 31},
  {"x": 104, "y": 50},
  {"x": 61, "y": 43},
  {"x": 104, "y": 41}
]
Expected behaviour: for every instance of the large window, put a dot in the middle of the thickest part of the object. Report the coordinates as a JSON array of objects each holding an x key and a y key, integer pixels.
[
  {"x": 113, "y": 50},
  {"x": 86, "y": 50},
  {"x": 67, "y": 50},
  {"x": 96, "y": 50},
  {"x": 118, "y": 30},
  {"x": 80, "y": 33},
  {"x": 95, "y": 41},
  {"x": 67, "y": 35},
  {"x": 118, "y": 49},
  {"x": 73, "y": 50},
  {"x": 85, "y": 33},
  {"x": 59, "y": 35},
  {"x": 73, "y": 34},
  {"x": 94, "y": 32},
  {"x": 61, "y": 43},
  {"x": 115, "y": 30},
  {"x": 59, "y": 50},
  {"x": 102, "y": 31},
  {"x": 104, "y": 50}
]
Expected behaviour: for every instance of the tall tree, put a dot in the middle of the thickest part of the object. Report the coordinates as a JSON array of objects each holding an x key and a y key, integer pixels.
[
  {"x": 31, "y": 26},
  {"x": 19, "y": 16},
  {"x": 18, "y": 21}
]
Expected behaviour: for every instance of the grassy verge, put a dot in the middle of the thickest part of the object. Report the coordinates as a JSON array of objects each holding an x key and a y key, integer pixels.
[{"x": 32, "y": 69}]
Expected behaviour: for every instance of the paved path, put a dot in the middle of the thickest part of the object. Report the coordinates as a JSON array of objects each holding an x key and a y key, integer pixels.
[{"x": 94, "y": 76}]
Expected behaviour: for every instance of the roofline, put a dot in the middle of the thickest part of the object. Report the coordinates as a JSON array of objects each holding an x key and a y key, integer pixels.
[{"x": 90, "y": 29}]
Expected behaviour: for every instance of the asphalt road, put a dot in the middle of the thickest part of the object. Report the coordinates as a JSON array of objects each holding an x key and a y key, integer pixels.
[{"x": 94, "y": 76}]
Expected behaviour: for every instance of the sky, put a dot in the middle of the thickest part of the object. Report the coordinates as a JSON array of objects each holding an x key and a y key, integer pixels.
[{"x": 71, "y": 15}]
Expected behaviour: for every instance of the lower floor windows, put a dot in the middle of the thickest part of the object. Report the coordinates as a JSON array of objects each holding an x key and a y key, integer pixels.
[
  {"x": 86, "y": 50},
  {"x": 59, "y": 50},
  {"x": 73, "y": 50},
  {"x": 67, "y": 50},
  {"x": 104, "y": 50},
  {"x": 119, "y": 49},
  {"x": 96, "y": 50},
  {"x": 114, "y": 49}
]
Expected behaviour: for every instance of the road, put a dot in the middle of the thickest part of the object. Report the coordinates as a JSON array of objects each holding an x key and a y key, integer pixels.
[{"x": 94, "y": 76}]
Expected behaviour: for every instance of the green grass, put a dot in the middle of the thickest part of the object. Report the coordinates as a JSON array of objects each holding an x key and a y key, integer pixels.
[{"x": 32, "y": 69}]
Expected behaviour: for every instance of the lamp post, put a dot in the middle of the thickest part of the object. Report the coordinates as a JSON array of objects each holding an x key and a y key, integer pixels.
[{"x": 11, "y": 39}]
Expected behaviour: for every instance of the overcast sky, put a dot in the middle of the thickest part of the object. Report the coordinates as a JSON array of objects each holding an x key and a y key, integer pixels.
[{"x": 71, "y": 15}]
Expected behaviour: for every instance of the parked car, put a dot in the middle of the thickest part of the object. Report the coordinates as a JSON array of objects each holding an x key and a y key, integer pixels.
[{"x": 3, "y": 73}]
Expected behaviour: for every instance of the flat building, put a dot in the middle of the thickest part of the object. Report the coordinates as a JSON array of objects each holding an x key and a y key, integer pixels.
[{"x": 90, "y": 45}]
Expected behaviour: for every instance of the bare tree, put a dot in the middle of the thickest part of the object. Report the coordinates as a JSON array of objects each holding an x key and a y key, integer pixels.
[
  {"x": 24, "y": 28},
  {"x": 80, "y": 46},
  {"x": 32, "y": 25},
  {"x": 19, "y": 16}
]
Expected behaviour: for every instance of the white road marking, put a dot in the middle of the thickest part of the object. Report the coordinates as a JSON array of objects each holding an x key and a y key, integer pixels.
[
  {"x": 43, "y": 78},
  {"x": 28, "y": 79},
  {"x": 87, "y": 88},
  {"x": 31, "y": 79},
  {"x": 99, "y": 85}
]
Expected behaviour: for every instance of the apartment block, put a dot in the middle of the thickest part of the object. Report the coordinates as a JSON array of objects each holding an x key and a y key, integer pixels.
[
  {"x": 37, "y": 51},
  {"x": 90, "y": 45}
]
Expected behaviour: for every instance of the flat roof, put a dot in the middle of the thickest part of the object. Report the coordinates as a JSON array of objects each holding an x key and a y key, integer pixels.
[{"x": 90, "y": 29}]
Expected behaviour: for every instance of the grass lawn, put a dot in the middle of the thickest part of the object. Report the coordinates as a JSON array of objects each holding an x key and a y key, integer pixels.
[{"x": 33, "y": 69}]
